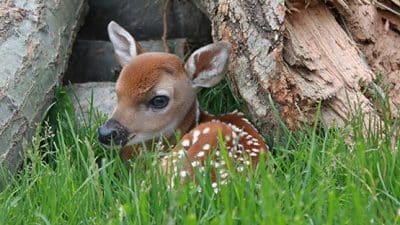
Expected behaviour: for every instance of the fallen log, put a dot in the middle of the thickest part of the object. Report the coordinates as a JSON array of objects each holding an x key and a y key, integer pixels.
[
  {"x": 299, "y": 60},
  {"x": 36, "y": 38}
]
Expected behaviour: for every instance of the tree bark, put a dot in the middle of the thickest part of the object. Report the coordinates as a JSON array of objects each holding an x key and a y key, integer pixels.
[
  {"x": 301, "y": 59},
  {"x": 254, "y": 29},
  {"x": 375, "y": 27},
  {"x": 35, "y": 42}
]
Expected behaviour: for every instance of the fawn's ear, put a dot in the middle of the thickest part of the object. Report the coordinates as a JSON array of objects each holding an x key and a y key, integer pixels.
[
  {"x": 125, "y": 46},
  {"x": 206, "y": 66}
]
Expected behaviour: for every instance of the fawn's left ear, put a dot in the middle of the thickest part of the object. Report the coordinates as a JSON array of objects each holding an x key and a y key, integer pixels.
[
  {"x": 125, "y": 46},
  {"x": 206, "y": 66}
]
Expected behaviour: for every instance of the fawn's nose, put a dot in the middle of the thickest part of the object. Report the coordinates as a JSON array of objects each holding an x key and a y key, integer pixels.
[{"x": 112, "y": 131}]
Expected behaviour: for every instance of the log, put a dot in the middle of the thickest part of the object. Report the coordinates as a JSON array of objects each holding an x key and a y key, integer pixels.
[
  {"x": 254, "y": 29},
  {"x": 35, "y": 42},
  {"x": 375, "y": 27},
  {"x": 301, "y": 59}
]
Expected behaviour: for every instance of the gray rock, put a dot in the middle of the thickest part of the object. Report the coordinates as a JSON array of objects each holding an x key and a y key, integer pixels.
[
  {"x": 98, "y": 96},
  {"x": 35, "y": 43}
]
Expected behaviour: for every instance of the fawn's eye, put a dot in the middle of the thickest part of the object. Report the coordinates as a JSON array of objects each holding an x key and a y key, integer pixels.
[{"x": 159, "y": 102}]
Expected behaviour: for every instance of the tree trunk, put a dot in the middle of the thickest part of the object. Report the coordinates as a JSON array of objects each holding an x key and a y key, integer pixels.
[
  {"x": 301, "y": 59},
  {"x": 35, "y": 42}
]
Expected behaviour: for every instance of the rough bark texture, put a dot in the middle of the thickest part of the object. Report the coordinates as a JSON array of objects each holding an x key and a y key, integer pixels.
[
  {"x": 35, "y": 41},
  {"x": 254, "y": 28},
  {"x": 300, "y": 59},
  {"x": 376, "y": 30},
  {"x": 325, "y": 66}
]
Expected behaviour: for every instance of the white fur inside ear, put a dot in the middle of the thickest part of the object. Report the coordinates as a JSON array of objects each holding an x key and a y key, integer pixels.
[
  {"x": 124, "y": 44},
  {"x": 206, "y": 66}
]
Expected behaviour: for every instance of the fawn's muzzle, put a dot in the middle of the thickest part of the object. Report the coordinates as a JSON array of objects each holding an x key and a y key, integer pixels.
[{"x": 113, "y": 131}]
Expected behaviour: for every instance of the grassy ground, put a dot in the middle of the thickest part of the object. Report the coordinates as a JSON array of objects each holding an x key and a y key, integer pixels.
[{"x": 315, "y": 177}]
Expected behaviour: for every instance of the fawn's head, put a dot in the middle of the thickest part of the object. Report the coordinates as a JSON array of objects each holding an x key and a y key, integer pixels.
[{"x": 155, "y": 90}]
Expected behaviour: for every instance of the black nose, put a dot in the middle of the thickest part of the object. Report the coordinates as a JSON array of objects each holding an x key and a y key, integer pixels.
[{"x": 112, "y": 131}]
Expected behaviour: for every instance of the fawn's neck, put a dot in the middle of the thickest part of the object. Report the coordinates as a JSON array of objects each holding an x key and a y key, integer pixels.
[
  {"x": 188, "y": 122},
  {"x": 193, "y": 117}
]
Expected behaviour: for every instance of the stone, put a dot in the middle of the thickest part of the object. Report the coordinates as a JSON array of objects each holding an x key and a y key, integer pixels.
[{"x": 98, "y": 96}]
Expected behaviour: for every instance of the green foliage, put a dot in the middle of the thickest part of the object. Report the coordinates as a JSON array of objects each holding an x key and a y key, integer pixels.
[
  {"x": 319, "y": 176},
  {"x": 219, "y": 99}
]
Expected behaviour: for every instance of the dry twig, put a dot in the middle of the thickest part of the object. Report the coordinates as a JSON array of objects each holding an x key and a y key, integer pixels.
[{"x": 165, "y": 25}]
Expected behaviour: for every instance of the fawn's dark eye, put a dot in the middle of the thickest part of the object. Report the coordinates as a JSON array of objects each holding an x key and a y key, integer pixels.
[{"x": 159, "y": 102}]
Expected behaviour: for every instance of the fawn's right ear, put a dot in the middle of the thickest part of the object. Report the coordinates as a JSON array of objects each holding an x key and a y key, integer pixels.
[
  {"x": 207, "y": 65},
  {"x": 125, "y": 46}
]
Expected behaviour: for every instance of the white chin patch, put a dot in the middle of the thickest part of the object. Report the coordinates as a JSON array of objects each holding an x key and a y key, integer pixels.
[
  {"x": 141, "y": 138},
  {"x": 144, "y": 137}
]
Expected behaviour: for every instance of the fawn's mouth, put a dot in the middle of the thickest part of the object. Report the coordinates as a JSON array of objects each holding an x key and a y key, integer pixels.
[
  {"x": 140, "y": 138},
  {"x": 130, "y": 138}
]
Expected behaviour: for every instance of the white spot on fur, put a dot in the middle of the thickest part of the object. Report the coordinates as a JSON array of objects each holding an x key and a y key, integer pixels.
[
  {"x": 246, "y": 120},
  {"x": 186, "y": 143},
  {"x": 200, "y": 154},
  {"x": 206, "y": 147},
  {"x": 255, "y": 150},
  {"x": 253, "y": 154},
  {"x": 196, "y": 134},
  {"x": 234, "y": 135},
  {"x": 206, "y": 130}
]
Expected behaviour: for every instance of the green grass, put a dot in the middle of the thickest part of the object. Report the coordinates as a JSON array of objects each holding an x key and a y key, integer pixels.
[{"x": 318, "y": 176}]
